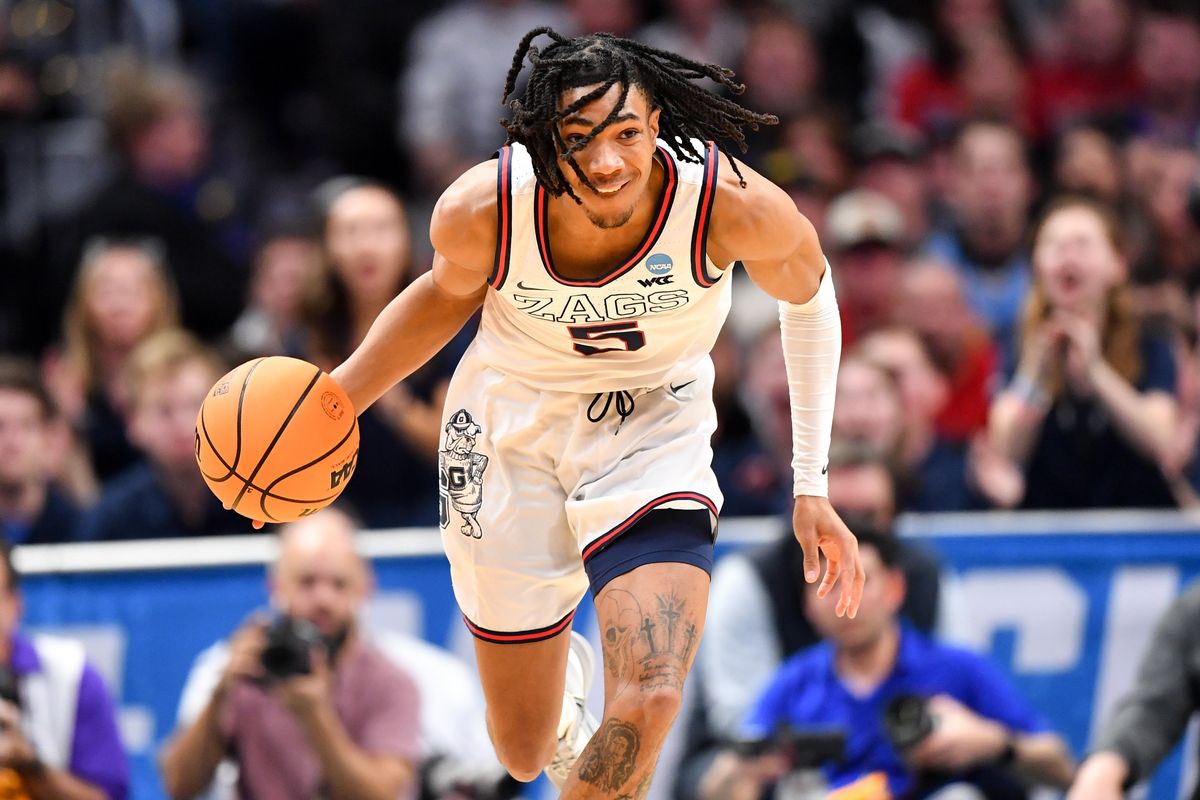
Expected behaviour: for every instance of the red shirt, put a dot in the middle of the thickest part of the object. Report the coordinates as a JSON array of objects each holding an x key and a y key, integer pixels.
[{"x": 966, "y": 410}]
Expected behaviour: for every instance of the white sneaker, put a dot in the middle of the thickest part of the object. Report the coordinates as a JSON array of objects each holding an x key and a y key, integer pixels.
[{"x": 581, "y": 666}]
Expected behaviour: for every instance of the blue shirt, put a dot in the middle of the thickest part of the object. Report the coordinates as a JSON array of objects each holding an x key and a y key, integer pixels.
[
  {"x": 96, "y": 753},
  {"x": 807, "y": 693}
]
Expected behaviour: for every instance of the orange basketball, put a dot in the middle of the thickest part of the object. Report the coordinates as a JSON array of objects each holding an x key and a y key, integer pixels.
[{"x": 276, "y": 439}]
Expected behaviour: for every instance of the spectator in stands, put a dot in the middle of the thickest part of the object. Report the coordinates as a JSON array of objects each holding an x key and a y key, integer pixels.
[
  {"x": 869, "y": 409},
  {"x": 157, "y": 124},
  {"x": 1088, "y": 162},
  {"x": 122, "y": 296},
  {"x": 451, "y": 93},
  {"x": 974, "y": 68},
  {"x": 934, "y": 465},
  {"x": 751, "y": 475},
  {"x": 33, "y": 510},
  {"x": 347, "y": 728},
  {"x": 58, "y": 730},
  {"x": 991, "y": 192},
  {"x": 1168, "y": 56},
  {"x": 368, "y": 260},
  {"x": 164, "y": 496},
  {"x": 756, "y": 617},
  {"x": 781, "y": 69},
  {"x": 864, "y": 236},
  {"x": 1090, "y": 413},
  {"x": 709, "y": 31},
  {"x": 1094, "y": 74},
  {"x": 933, "y": 303},
  {"x": 1150, "y": 720},
  {"x": 1161, "y": 179},
  {"x": 285, "y": 268},
  {"x": 984, "y": 734},
  {"x": 892, "y": 162}
]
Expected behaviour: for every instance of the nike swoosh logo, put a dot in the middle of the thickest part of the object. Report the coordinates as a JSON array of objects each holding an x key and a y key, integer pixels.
[
  {"x": 521, "y": 285},
  {"x": 824, "y": 469},
  {"x": 675, "y": 388}
]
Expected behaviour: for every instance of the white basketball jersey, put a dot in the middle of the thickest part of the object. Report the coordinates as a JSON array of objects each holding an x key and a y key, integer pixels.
[{"x": 638, "y": 325}]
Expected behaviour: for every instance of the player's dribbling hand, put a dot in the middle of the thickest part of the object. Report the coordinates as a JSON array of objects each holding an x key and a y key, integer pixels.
[{"x": 821, "y": 531}]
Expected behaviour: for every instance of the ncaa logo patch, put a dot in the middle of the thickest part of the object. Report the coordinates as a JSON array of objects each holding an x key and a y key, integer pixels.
[{"x": 659, "y": 264}]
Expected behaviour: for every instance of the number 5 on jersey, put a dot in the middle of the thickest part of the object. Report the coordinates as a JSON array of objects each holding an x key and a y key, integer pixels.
[{"x": 627, "y": 333}]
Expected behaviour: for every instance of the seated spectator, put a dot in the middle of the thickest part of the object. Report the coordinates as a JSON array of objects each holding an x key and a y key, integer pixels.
[
  {"x": 1150, "y": 720},
  {"x": 864, "y": 237},
  {"x": 285, "y": 267},
  {"x": 342, "y": 722},
  {"x": 1094, "y": 75},
  {"x": 163, "y": 496},
  {"x": 982, "y": 734},
  {"x": 756, "y": 607},
  {"x": 122, "y": 296},
  {"x": 974, "y": 69},
  {"x": 933, "y": 465},
  {"x": 933, "y": 303},
  {"x": 1091, "y": 412},
  {"x": 165, "y": 190},
  {"x": 991, "y": 189},
  {"x": 33, "y": 509},
  {"x": 893, "y": 162},
  {"x": 1168, "y": 57},
  {"x": 368, "y": 260},
  {"x": 58, "y": 725},
  {"x": 1088, "y": 162}
]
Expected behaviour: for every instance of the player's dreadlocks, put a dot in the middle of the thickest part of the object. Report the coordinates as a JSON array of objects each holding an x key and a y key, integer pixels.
[{"x": 688, "y": 111}]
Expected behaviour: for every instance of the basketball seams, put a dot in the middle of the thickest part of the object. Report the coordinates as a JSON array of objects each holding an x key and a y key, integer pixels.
[
  {"x": 265, "y": 493},
  {"x": 237, "y": 448},
  {"x": 278, "y": 433}
]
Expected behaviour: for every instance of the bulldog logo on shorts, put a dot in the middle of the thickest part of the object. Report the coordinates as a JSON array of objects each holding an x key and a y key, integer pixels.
[{"x": 460, "y": 474}]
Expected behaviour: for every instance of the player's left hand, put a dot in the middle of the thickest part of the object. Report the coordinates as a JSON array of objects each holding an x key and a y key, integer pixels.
[{"x": 821, "y": 531}]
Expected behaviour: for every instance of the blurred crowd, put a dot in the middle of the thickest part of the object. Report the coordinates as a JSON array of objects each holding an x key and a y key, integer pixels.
[{"x": 1007, "y": 191}]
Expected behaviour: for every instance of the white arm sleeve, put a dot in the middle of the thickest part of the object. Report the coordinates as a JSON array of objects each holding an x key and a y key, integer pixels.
[{"x": 812, "y": 348}]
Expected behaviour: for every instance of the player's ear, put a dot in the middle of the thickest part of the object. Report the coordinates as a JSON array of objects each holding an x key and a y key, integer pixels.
[{"x": 652, "y": 122}]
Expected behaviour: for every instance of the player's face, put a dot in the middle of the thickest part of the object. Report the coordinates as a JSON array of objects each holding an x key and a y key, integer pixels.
[
  {"x": 619, "y": 161},
  {"x": 1075, "y": 261}
]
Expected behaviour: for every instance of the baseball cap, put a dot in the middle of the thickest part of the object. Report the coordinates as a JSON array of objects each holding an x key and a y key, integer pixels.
[{"x": 863, "y": 216}]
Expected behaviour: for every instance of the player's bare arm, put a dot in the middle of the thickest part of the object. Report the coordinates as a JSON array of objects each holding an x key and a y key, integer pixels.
[
  {"x": 426, "y": 315},
  {"x": 759, "y": 225}
]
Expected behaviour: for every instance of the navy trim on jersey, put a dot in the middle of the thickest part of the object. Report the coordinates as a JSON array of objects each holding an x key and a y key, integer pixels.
[
  {"x": 598, "y": 544},
  {"x": 667, "y": 536},
  {"x": 665, "y": 202},
  {"x": 703, "y": 215},
  {"x": 503, "y": 217},
  {"x": 519, "y": 637}
]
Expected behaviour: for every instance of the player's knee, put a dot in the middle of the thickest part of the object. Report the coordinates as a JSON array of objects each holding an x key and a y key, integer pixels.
[
  {"x": 523, "y": 757},
  {"x": 652, "y": 709}
]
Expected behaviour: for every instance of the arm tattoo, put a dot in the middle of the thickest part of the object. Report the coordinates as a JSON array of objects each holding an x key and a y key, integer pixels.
[{"x": 610, "y": 757}]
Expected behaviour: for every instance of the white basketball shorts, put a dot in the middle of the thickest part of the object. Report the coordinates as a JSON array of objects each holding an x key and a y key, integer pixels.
[{"x": 534, "y": 482}]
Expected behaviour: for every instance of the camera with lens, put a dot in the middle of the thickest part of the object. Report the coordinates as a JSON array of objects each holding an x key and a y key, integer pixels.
[
  {"x": 290, "y": 643},
  {"x": 804, "y": 751},
  {"x": 906, "y": 720}
]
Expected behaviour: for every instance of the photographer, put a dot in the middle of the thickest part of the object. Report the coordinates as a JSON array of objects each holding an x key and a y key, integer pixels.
[
  {"x": 926, "y": 716},
  {"x": 302, "y": 705},
  {"x": 58, "y": 731}
]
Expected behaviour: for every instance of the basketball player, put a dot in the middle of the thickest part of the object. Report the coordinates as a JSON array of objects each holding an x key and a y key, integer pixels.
[{"x": 599, "y": 243}]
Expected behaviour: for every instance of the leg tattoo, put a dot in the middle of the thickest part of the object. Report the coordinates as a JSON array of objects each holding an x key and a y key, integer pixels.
[{"x": 611, "y": 756}]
